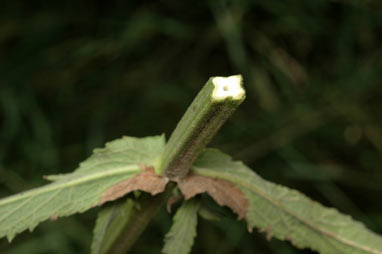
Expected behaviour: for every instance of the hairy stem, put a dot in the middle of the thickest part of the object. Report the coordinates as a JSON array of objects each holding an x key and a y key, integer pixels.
[
  {"x": 210, "y": 109},
  {"x": 214, "y": 104}
]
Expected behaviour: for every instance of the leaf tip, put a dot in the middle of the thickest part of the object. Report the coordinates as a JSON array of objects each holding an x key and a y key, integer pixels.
[
  {"x": 172, "y": 201},
  {"x": 53, "y": 217},
  {"x": 268, "y": 232}
]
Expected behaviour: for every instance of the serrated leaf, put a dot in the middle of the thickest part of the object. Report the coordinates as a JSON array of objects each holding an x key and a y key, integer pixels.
[
  {"x": 110, "y": 222},
  {"x": 180, "y": 238},
  {"x": 288, "y": 214},
  {"x": 147, "y": 181},
  {"x": 82, "y": 189},
  {"x": 225, "y": 193}
]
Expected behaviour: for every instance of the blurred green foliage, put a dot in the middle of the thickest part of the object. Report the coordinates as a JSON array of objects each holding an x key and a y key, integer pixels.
[{"x": 75, "y": 74}]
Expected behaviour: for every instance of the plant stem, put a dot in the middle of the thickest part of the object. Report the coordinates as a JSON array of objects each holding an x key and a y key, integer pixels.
[
  {"x": 217, "y": 100},
  {"x": 139, "y": 220},
  {"x": 214, "y": 104}
]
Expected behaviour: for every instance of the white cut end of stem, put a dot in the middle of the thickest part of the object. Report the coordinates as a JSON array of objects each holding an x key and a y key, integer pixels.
[{"x": 228, "y": 87}]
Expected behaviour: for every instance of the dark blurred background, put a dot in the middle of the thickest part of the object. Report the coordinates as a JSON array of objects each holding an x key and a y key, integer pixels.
[{"x": 75, "y": 74}]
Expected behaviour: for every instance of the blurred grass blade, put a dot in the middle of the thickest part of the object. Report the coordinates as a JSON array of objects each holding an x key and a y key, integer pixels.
[
  {"x": 110, "y": 223},
  {"x": 180, "y": 238},
  {"x": 80, "y": 190},
  {"x": 288, "y": 214}
]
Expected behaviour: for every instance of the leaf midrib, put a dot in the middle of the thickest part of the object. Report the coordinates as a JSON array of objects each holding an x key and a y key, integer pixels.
[{"x": 132, "y": 169}]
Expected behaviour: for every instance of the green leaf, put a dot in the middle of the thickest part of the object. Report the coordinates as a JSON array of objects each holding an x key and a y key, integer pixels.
[
  {"x": 180, "y": 238},
  {"x": 209, "y": 214},
  {"x": 110, "y": 223},
  {"x": 82, "y": 189},
  {"x": 288, "y": 214}
]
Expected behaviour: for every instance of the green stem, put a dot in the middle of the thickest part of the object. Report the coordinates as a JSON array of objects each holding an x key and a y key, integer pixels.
[
  {"x": 139, "y": 220},
  {"x": 211, "y": 108}
]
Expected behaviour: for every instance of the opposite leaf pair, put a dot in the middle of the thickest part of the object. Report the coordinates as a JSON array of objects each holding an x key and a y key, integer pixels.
[
  {"x": 280, "y": 212},
  {"x": 148, "y": 164}
]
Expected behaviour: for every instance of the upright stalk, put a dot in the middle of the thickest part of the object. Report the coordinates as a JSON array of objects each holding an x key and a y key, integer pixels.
[{"x": 217, "y": 100}]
